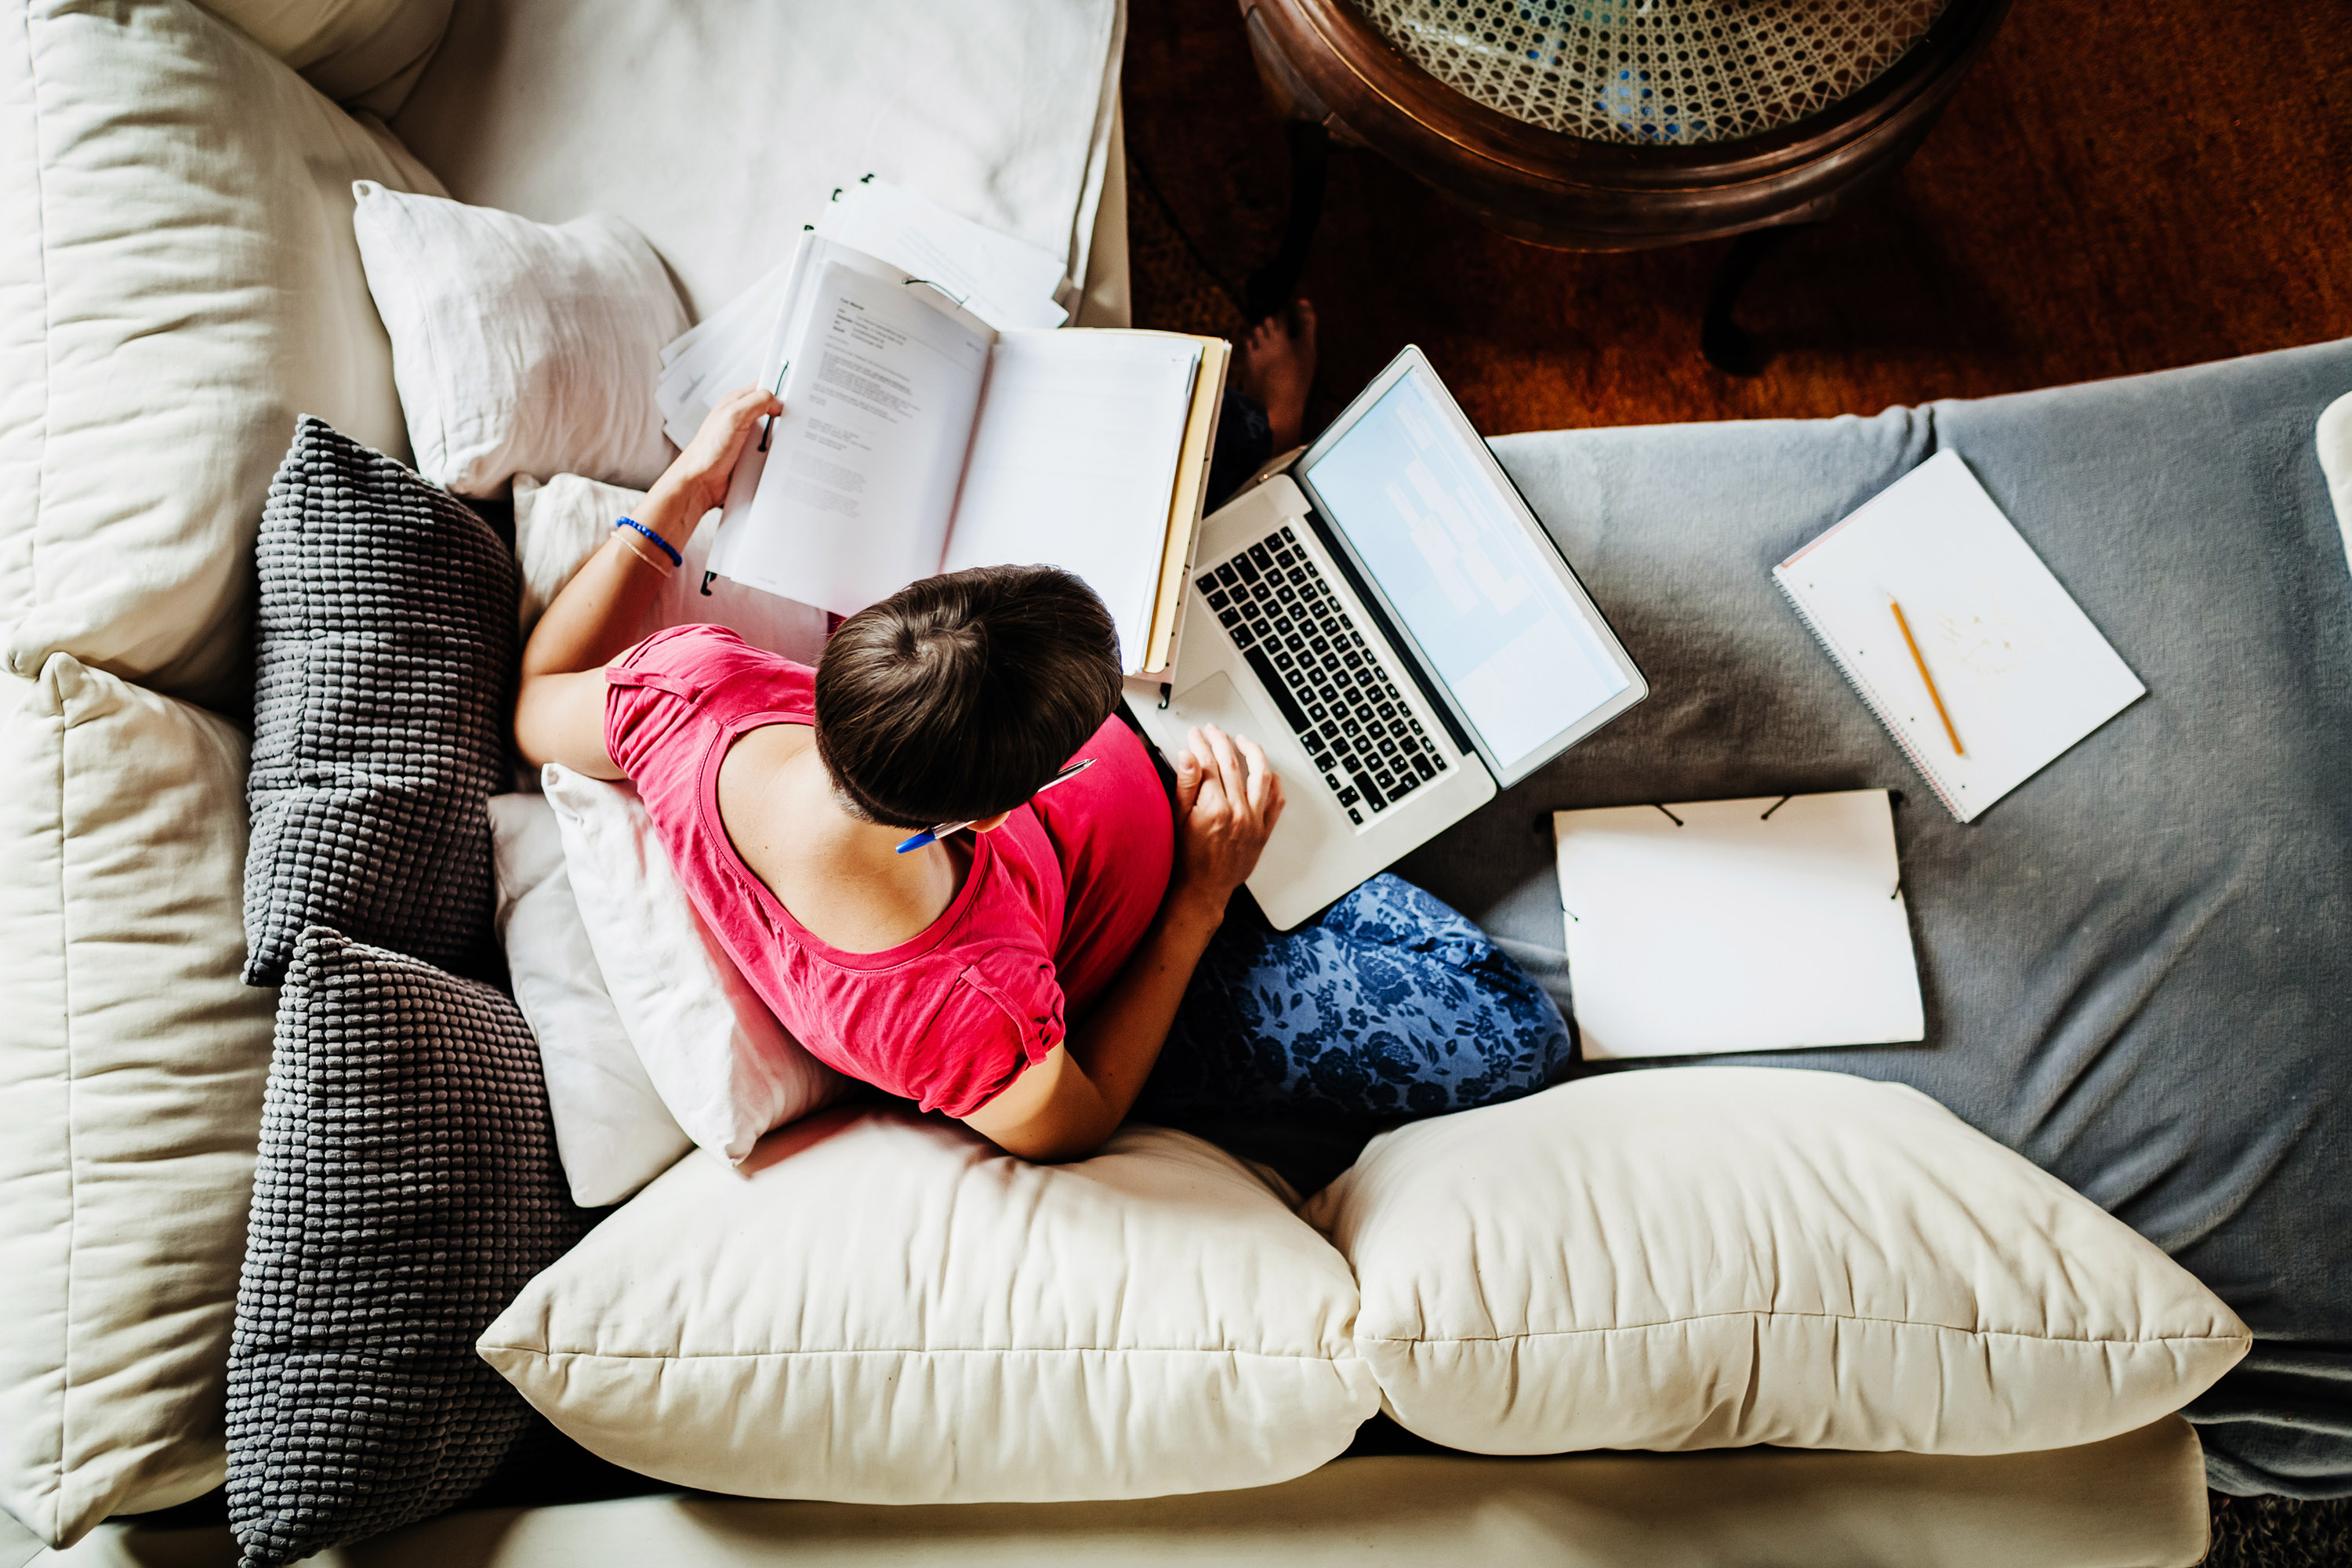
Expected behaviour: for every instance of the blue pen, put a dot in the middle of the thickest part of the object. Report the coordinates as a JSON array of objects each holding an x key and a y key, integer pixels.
[{"x": 934, "y": 835}]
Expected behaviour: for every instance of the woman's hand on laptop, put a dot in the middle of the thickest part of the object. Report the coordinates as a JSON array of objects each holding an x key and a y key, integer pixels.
[{"x": 1227, "y": 801}]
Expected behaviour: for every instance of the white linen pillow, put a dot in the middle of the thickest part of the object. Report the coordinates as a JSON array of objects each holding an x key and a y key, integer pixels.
[
  {"x": 882, "y": 1307},
  {"x": 1703, "y": 1258},
  {"x": 561, "y": 524},
  {"x": 2335, "y": 463},
  {"x": 611, "y": 1131},
  {"x": 727, "y": 1069},
  {"x": 180, "y": 282},
  {"x": 518, "y": 347},
  {"x": 131, "y": 1066}
]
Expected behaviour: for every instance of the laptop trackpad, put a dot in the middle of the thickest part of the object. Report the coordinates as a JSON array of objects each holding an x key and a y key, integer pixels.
[{"x": 1215, "y": 701}]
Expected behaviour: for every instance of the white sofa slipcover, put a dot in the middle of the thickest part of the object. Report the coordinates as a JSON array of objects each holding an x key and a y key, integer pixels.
[{"x": 2133, "y": 1502}]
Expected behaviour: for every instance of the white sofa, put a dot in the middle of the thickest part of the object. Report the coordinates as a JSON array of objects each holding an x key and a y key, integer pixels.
[{"x": 178, "y": 280}]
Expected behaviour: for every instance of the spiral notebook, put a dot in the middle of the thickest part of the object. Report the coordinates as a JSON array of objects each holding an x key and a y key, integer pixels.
[{"x": 1940, "y": 616}]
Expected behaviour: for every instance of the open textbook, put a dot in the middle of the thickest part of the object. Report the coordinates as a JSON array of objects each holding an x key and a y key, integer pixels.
[
  {"x": 916, "y": 439},
  {"x": 1005, "y": 281}
]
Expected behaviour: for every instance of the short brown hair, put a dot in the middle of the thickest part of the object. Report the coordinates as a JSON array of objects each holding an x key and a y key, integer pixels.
[{"x": 957, "y": 697}]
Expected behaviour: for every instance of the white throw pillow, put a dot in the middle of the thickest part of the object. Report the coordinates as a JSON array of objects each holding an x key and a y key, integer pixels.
[
  {"x": 727, "y": 1069},
  {"x": 1704, "y": 1257},
  {"x": 132, "y": 1064},
  {"x": 180, "y": 281},
  {"x": 561, "y": 524},
  {"x": 518, "y": 347},
  {"x": 881, "y": 1307},
  {"x": 611, "y": 1131}
]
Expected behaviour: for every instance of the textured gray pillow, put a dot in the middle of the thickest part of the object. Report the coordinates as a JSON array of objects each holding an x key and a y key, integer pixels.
[
  {"x": 407, "y": 1187},
  {"x": 385, "y": 661}
]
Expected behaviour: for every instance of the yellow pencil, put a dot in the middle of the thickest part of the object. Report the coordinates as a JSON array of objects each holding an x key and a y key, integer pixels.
[{"x": 1933, "y": 695}]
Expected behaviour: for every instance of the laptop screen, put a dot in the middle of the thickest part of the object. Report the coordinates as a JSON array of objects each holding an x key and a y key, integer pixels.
[{"x": 1491, "y": 607}]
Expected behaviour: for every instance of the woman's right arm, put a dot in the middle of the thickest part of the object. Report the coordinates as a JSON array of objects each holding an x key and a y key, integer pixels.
[
  {"x": 1228, "y": 801},
  {"x": 559, "y": 705}
]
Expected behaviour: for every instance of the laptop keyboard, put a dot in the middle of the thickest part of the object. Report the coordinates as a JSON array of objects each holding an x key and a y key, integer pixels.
[{"x": 1308, "y": 655}]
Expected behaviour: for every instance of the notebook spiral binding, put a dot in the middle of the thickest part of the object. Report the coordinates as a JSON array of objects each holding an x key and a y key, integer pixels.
[{"x": 1870, "y": 699}]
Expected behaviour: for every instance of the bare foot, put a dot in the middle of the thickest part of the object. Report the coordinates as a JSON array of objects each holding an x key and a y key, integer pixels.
[{"x": 1278, "y": 368}]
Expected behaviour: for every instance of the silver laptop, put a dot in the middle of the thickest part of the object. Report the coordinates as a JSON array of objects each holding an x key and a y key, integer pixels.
[{"x": 1391, "y": 623}]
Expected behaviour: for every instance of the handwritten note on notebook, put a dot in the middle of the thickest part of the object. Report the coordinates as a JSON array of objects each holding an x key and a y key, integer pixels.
[
  {"x": 2020, "y": 672},
  {"x": 1736, "y": 925}
]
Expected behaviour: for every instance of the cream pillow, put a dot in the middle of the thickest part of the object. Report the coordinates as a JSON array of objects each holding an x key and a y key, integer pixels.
[
  {"x": 1704, "y": 1257},
  {"x": 611, "y": 1131},
  {"x": 722, "y": 1063},
  {"x": 518, "y": 347},
  {"x": 130, "y": 1076},
  {"x": 367, "y": 51},
  {"x": 180, "y": 282},
  {"x": 561, "y": 524},
  {"x": 881, "y": 1307}
]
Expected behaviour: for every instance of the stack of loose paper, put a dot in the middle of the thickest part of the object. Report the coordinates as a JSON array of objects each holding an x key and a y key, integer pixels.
[
  {"x": 1000, "y": 279},
  {"x": 1737, "y": 925}
]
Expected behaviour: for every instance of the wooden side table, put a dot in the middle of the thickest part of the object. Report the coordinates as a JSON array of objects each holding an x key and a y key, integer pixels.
[{"x": 1615, "y": 124}]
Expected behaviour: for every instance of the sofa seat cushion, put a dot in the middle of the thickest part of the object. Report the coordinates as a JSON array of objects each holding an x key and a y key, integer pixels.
[
  {"x": 178, "y": 279},
  {"x": 1718, "y": 1256},
  {"x": 131, "y": 1062},
  {"x": 880, "y": 1307}
]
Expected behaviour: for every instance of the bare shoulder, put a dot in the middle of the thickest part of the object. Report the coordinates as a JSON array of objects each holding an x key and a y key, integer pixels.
[{"x": 753, "y": 807}]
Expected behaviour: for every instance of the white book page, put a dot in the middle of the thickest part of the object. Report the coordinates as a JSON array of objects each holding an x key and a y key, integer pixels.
[
  {"x": 1006, "y": 282},
  {"x": 719, "y": 355},
  {"x": 850, "y": 503},
  {"x": 1073, "y": 464},
  {"x": 1736, "y": 929},
  {"x": 2022, "y": 672}
]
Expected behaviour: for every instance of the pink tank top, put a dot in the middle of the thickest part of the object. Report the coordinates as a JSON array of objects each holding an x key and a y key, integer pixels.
[{"x": 1054, "y": 903}]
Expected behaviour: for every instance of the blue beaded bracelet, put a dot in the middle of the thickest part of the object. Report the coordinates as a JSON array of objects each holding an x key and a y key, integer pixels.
[{"x": 666, "y": 547}]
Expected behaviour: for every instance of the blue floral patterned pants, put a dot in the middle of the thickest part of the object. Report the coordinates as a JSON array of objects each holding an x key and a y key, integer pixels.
[{"x": 1389, "y": 1004}]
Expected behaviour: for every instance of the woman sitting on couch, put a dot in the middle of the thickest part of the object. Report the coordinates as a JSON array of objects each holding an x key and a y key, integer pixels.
[{"x": 1024, "y": 978}]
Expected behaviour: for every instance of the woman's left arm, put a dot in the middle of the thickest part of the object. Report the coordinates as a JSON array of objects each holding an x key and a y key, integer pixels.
[{"x": 560, "y": 704}]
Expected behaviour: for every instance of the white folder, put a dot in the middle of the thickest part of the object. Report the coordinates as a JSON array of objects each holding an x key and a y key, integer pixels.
[{"x": 1774, "y": 923}]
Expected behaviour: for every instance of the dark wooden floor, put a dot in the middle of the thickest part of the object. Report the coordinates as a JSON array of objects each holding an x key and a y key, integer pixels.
[{"x": 2116, "y": 189}]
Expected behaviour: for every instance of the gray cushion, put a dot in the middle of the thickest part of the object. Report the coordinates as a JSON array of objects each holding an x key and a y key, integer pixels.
[
  {"x": 385, "y": 664},
  {"x": 407, "y": 1187},
  {"x": 2136, "y": 965}
]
